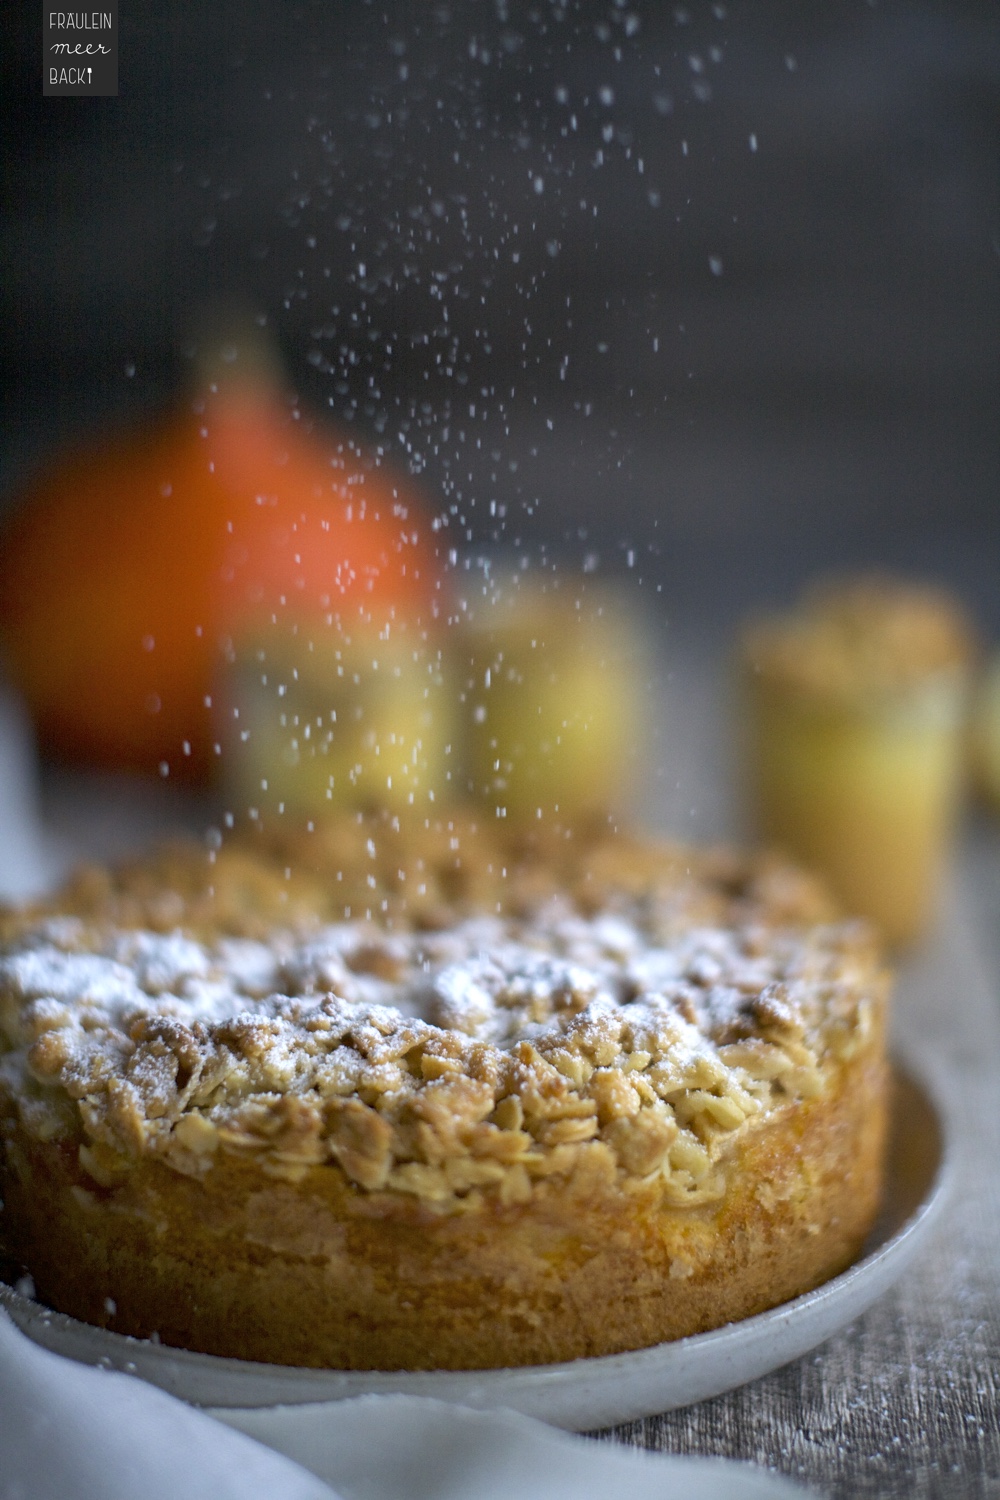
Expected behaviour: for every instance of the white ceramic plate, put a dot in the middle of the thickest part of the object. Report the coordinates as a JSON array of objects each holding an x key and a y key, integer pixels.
[{"x": 584, "y": 1393}]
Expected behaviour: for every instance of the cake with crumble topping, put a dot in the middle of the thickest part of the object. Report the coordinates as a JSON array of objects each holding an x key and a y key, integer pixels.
[{"x": 385, "y": 1097}]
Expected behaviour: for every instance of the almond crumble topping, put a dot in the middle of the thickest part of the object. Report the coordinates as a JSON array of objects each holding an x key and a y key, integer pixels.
[{"x": 624, "y": 1026}]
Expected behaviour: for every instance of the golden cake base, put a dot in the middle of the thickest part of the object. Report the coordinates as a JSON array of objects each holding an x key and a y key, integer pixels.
[{"x": 318, "y": 1273}]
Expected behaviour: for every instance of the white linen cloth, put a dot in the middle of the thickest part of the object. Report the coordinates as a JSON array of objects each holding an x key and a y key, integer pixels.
[
  {"x": 72, "y": 1432},
  {"x": 29, "y": 862}
]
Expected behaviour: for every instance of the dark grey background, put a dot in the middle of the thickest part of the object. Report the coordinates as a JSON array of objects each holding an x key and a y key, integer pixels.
[{"x": 737, "y": 365}]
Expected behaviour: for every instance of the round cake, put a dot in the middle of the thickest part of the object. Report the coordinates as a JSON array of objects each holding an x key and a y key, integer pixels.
[{"x": 381, "y": 1097}]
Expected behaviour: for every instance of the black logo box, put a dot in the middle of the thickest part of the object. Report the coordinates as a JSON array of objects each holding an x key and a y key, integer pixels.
[{"x": 80, "y": 49}]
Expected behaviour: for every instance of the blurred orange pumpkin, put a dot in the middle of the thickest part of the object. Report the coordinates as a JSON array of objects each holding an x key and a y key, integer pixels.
[{"x": 126, "y": 570}]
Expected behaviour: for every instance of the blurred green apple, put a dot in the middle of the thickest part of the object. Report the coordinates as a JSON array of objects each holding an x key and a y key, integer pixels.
[
  {"x": 985, "y": 735},
  {"x": 553, "y": 700},
  {"x": 313, "y": 719}
]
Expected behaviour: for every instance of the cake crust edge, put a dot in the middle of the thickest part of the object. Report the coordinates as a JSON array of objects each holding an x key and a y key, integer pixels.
[{"x": 320, "y": 1274}]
